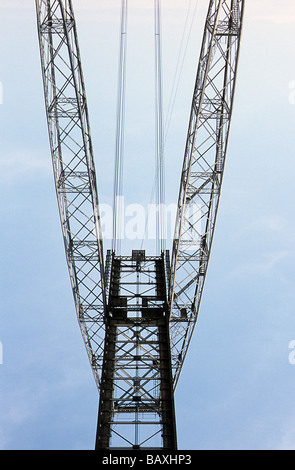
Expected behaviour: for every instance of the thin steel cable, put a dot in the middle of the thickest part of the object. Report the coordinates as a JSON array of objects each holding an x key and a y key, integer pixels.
[
  {"x": 179, "y": 65},
  {"x": 119, "y": 152},
  {"x": 165, "y": 126},
  {"x": 160, "y": 176}
]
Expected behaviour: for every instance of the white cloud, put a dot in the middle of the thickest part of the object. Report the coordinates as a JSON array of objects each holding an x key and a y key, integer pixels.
[
  {"x": 13, "y": 4},
  {"x": 264, "y": 266},
  {"x": 268, "y": 225},
  {"x": 276, "y": 18},
  {"x": 23, "y": 165},
  {"x": 287, "y": 441},
  {"x": 2, "y": 439},
  {"x": 271, "y": 11},
  {"x": 268, "y": 241}
]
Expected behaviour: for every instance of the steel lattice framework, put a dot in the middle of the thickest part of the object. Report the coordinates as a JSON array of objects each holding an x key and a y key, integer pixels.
[
  {"x": 137, "y": 314},
  {"x": 73, "y": 166},
  {"x": 202, "y": 171},
  {"x": 136, "y": 403}
]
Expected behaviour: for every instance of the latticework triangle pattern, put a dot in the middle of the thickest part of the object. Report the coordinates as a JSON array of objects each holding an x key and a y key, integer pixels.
[
  {"x": 202, "y": 171},
  {"x": 74, "y": 171}
]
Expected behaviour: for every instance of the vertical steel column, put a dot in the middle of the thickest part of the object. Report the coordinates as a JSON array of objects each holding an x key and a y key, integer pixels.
[{"x": 136, "y": 402}]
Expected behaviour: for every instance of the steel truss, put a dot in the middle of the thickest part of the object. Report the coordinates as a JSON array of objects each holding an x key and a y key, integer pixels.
[
  {"x": 202, "y": 172},
  {"x": 136, "y": 401},
  {"x": 137, "y": 313},
  {"x": 73, "y": 167}
]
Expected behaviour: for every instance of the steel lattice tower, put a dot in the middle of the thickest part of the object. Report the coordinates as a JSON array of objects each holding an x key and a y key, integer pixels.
[
  {"x": 202, "y": 171},
  {"x": 136, "y": 385},
  {"x": 137, "y": 313}
]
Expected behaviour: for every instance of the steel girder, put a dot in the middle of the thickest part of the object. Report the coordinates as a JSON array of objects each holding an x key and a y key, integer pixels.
[
  {"x": 111, "y": 340},
  {"x": 136, "y": 402},
  {"x": 73, "y": 166},
  {"x": 202, "y": 172}
]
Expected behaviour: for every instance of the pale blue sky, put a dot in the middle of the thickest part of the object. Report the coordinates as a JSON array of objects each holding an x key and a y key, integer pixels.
[{"x": 236, "y": 388}]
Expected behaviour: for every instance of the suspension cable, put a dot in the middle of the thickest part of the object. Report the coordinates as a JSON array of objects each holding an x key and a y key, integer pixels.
[
  {"x": 179, "y": 66},
  {"x": 180, "y": 62},
  {"x": 119, "y": 152},
  {"x": 159, "y": 150}
]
